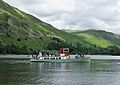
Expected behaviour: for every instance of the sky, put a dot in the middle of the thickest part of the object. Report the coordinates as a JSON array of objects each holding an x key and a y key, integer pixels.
[{"x": 74, "y": 14}]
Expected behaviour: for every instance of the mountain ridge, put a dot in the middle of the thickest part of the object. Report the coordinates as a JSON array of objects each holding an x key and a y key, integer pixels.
[
  {"x": 22, "y": 33},
  {"x": 98, "y": 34}
]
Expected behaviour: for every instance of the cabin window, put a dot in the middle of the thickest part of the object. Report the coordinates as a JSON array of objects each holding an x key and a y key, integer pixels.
[{"x": 52, "y": 58}]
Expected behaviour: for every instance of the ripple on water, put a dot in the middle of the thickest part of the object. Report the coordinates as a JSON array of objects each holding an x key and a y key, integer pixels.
[{"x": 17, "y": 72}]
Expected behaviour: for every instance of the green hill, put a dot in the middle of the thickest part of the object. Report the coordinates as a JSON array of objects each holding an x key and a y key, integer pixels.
[
  {"x": 102, "y": 39},
  {"x": 22, "y": 33},
  {"x": 99, "y": 37},
  {"x": 108, "y": 37},
  {"x": 19, "y": 30}
]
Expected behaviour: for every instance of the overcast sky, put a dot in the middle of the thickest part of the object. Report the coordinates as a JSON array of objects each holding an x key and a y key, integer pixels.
[{"x": 74, "y": 14}]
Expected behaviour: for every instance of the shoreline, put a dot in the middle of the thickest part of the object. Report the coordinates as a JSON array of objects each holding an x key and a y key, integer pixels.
[
  {"x": 14, "y": 57},
  {"x": 25, "y": 57}
]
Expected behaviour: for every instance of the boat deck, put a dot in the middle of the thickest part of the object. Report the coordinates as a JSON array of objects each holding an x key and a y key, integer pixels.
[{"x": 60, "y": 60}]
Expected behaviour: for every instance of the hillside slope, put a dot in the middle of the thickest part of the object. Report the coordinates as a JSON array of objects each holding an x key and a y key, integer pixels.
[
  {"x": 98, "y": 37},
  {"x": 22, "y": 31}
]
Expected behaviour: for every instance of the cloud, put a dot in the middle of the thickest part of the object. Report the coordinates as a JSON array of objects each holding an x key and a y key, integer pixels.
[{"x": 74, "y": 14}]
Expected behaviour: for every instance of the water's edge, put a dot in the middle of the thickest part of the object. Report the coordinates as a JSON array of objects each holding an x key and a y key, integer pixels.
[{"x": 92, "y": 57}]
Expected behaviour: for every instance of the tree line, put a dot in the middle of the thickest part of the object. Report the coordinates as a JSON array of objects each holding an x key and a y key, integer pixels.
[{"x": 57, "y": 43}]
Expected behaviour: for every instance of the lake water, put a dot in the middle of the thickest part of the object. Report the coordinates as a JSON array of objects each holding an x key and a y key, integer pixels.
[{"x": 96, "y": 72}]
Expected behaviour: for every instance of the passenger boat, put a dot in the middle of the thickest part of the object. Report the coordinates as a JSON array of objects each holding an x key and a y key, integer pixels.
[{"x": 47, "y": 56}]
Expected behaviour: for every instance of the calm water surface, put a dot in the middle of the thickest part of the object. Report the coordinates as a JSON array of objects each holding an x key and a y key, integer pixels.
[{"x": 23, "y": 72}]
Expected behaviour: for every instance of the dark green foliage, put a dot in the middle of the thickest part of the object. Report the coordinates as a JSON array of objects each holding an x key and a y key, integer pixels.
[
  {"x": 12, "y": 49},
  {"x": 18, "y": 39},
  {"x": 113, "y": 50}
]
